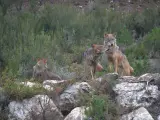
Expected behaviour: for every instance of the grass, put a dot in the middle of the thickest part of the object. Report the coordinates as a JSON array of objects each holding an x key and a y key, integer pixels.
[{"x": 17, "y": 91}]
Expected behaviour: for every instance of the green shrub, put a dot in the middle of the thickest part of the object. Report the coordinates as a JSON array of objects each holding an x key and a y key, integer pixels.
[
  {"x": 125, "y": 37},
  {"x": 101, "y": 108},
  {"x": 17, "y": 91},
  {"x": 140, "y": 66},
  {"x": 152, "y": 41},
  {"x": 138, "y": 58},
  {"x": 137, "y": 51},
  {"x": 143, "y": 21}
]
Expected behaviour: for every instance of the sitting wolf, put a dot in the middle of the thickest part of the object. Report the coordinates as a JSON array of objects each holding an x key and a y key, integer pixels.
[{"x": 42, "y": 72}]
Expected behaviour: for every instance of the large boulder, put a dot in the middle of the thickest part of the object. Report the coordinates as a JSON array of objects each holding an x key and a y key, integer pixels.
[
  {"x": 76, "y": 114},
  {"x": 139, "y": 114},
  {"x": 137, "y": 92},
  {"x": 39, "y": 107},
  {"x": 70, "y": 98}
]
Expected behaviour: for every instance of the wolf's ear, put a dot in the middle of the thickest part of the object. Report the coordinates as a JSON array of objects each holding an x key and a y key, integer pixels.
[
  {"x": 105, "y": 35},
  {"x": 93, "y": 45},
  {"x": 45, "y": 61},
  {"x": 115, "y": 34},
  {"x": 38, "y": 59}
]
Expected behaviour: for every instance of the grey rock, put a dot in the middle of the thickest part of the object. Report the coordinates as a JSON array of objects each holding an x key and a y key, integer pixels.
[
  {"x": 136, "y": 92},
  {"x": 154, "y": 65},
  {"x": 110, "y": 76},
  {"x": 69, "y": 99},
  {"x": 51, "y": 84},
  {"x": 76, "y": 114},
  {"x": 148, "y": 77},
  {"x": 36, "y": 108},
  {"x": 139, "y": 114}
]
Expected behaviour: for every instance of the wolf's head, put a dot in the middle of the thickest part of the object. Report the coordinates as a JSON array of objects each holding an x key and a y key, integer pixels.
[
  {"x": 42, "y": 63},
  {"x": 98, "y": 49},
  {"x": 109, "y": 41}
]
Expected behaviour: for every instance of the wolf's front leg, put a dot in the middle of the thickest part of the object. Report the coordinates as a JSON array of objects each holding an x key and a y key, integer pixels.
[
  {"x": 116, "y": 66},
  {"x": 91, "y": 70}
]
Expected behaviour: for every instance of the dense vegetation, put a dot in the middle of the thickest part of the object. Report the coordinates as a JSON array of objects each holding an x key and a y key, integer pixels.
[{"x": 61, "y": 33}]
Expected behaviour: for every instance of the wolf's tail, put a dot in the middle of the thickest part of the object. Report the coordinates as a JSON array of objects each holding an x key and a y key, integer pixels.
[{"x": 131, "y": 70}]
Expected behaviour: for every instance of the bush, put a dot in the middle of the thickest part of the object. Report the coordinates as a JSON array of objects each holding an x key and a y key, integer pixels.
[
  {"x": 140, "y": 66},
  {"x": 143, "y": 21},
  {"x": 152, "y": 42},
  {"x": 125, "y": 37},
  {"x": 101, "y": 108},
  {"x": 137, "y": 51},
  {"x": 17, "y": 91}
]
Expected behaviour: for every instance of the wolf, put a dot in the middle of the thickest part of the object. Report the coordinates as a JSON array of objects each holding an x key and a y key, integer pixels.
[
  {"x": 116, "y": 57},
  {"x": 91, "y": 59},
  {"x": 42, "y": 72}
]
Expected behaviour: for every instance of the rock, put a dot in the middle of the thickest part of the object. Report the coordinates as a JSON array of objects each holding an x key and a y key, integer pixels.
[
  {"x": 104, "y": 84},
  {"x": 154, "y": 109},
  {"x": 76, "y": 114},
  {"x": 110, "y": 76},
  {"x": 127, "y": 79},
  {"x": 51, "y": 84},
  {"x": 28, "y": 84},
  {"x": 39, "y": 107},
  {"x": 70, "y": 97},
  {"x": 139, "y": 114},
  {"x": 158, "y": 118},
  {"x": 136, "y": 92},
  {"x": 154, "y": 65},
  {"x": 149, "y": 77}
]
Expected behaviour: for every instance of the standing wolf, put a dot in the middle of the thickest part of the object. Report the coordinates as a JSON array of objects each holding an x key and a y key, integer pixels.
[
  {"x": 91, "y": 59},
  {"x": 115, "y": 56}
]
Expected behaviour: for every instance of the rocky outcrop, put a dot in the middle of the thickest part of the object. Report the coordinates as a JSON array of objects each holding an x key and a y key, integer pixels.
[
  {"x": 137, "y": 97},
  {"x": 134, "y": 92},
  {"x": 137, "y": 92},
  {"x": 39, "y": 107},
  {"x": 76, "y": 114},
  {"x": 69, "y": 99},
  {"x": 139, "y": 114}
]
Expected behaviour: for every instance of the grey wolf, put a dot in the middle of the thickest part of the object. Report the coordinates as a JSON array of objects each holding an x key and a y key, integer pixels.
[
  {"x": 115, "y": 56},
  {"x": 91, "y": 59}
]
